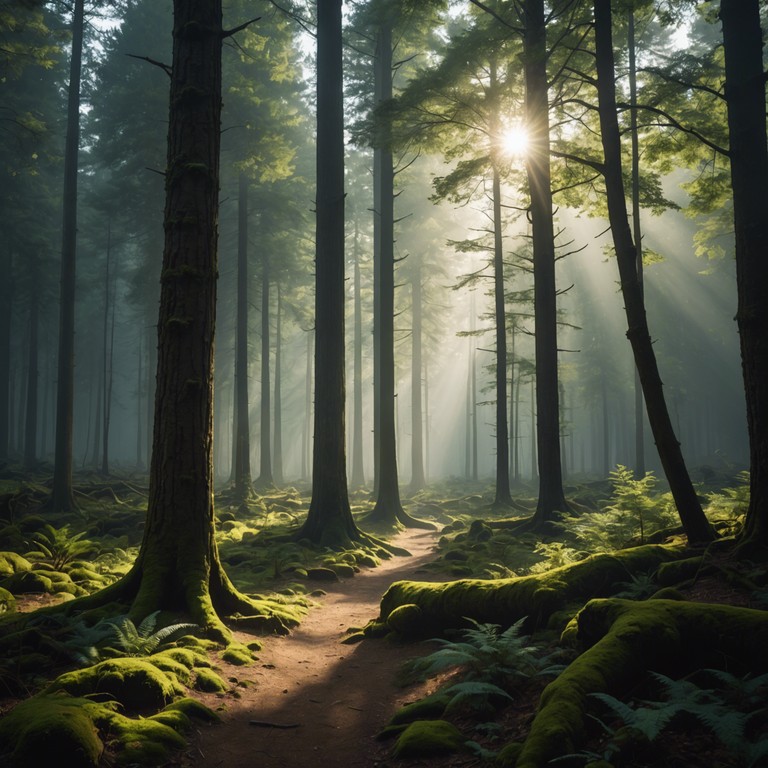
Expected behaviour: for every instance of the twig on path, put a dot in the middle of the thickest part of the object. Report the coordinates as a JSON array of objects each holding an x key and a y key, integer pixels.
[{"x": 267, "y": 724}]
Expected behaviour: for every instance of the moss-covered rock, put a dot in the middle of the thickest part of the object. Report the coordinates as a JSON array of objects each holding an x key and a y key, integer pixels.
[
  {"x": 322, "y": 574},
  {"x": 425, "y": 738},
  {"x": 144, "y": 741},
  {"x": 26, "y": 582},
  {"x": 42, "y": 730},
  {"x": 11, "y": 563},
  {"x": 137, "y": 684},
  {"x": 208, "y": 681},
  {"x": 193, "y": 708},
  {"x": 406, "y": 620},
  {"x": 428, "y": 708},
  {"x": 7, "y": 601},
  {"x": 238, "y": 654}
]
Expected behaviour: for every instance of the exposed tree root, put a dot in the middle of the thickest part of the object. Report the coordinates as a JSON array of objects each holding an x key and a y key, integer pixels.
[
  {"x": 622, "y": 640},
  {"x": 503, "y": 601}
]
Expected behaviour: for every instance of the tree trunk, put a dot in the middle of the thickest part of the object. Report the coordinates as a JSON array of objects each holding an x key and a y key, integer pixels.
[
  {"x": 306, "y": 436},
  {"x": 277, "y": 454},
  {"x": 265, "y": 479},
  {"x": 637, "y": 235},
  {"x": 178, "y": 567},
  {"x": 745, "y": 96},
  {"x": 241, "y": 458},
  {"x": 329, "y": 521},
  {"x": 358, "y": 471},
  {"x": 62, "y": 498},
  {"x": 417, "y": 417},
  {"x": 139, "y": 388},
  {"x": 551, "y": 496},
  {"x": 30, "y": 426},
  {"x": 109, "y": 349},
  {"x": 388, "y": 510},
  {"x": 694, "y": 522},
  {"x": 6, "y": 306}
]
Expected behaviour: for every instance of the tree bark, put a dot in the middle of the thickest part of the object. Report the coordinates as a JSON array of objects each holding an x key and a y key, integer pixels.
[
  {"x": 30, "y": 422},
  {"x": 388, "y": 509},
  {"x": 745, "y": 97},
  {"x": 418, "y": 481},
  {"x": 265, "y": 479},
  {"x": 357, "y": 479},
  {"x": 329, "y": 521},
  {"x": 62, "y": 498},
  {"x": 695, "y": 524},
  {"x": 6, "y": 306},
  {"x": 241, "y": 458},
  {"x": 551, "y": 497},
  {"x": 277, "y": 451}
]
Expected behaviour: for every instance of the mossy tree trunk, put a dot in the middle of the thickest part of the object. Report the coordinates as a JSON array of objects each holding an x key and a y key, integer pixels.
[
  {"x": 178, "y": 567},
  {"x": 695, "y": 523},
  {"x": 745, "y": 97}
]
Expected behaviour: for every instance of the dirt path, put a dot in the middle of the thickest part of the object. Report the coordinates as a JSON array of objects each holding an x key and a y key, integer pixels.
[{"x": 331, "y": 698}]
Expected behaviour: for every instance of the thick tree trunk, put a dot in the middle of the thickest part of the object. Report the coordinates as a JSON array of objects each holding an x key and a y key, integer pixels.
[
  {"x": 241, "y": 458},
  {"x": 330, "y": 518},
  {"x": 694, "y": 522},
  {"x": 108, "y": 358},
  {"x": 745, "y": 96},
  {"x": 306, "y": 433},
  {"x": 551, "y": 496},
  {"x": 62, "y": 499}
]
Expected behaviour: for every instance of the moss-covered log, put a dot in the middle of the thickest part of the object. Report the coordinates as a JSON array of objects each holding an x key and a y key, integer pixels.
[
  {"x": 503, "y": 601},
  {"x": 623, "y": 640}
]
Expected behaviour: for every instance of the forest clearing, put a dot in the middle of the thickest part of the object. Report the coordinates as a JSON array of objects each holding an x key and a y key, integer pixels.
[{"x": 479, "y": 287}]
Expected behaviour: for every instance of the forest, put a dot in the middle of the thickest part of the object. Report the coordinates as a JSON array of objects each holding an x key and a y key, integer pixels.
[{"x": 383, "y": 383}]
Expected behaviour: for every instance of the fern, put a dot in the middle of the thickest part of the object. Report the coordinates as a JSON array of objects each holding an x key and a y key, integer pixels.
[
  {"x": 473, "y": 695},
  {"x": 59, "y": 547},
  {"x": 484, "y": 655},
  {"x": 142, "y": 640},
  {"x": 640, "y": 586}
]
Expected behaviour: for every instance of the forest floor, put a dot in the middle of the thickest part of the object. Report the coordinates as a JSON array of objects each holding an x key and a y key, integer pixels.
[{"x": 311, "y": 700}]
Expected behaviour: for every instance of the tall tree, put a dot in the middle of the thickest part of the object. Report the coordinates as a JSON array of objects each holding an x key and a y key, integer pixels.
[
  {"x": 551, "y": 496},
  {"x": 745, "y": 97},
  {"x": 329, "y": 520},
  {"x": 62, "y": 498},
  {"x": 692, "y": 517},
  {"x": 178, "y": 566}
]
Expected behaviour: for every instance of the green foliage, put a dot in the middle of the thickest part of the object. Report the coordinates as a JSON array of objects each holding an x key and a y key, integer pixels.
[
  {"x": 556, "y": 553},
  {"x": 485, "y": 654},
  {"x": 730, "y": 503},
  {"x": 143, "y": 640},
  {"x": 59, "y": 547},
  {"x": 726, "y": 713},
  {"x": 632, "y": 512},
  {"x": 639, "y": 586}
]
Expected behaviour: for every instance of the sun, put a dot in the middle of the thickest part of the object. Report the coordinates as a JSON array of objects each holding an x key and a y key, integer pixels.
[{"x": 514, "y": 141}]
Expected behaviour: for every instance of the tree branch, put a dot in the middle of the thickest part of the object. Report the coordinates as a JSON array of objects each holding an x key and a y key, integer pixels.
[{"x": 165, "y": 67}]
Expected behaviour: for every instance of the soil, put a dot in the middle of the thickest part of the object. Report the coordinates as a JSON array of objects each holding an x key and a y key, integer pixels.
[{"x": 310, "y": 700}]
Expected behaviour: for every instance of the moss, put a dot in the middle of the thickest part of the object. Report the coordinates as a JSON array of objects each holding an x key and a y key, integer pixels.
[
  {"x": 7, "y": 601},
  {"x": 186, "y": 656},
  {"x": 193, "y": 708},
  {"x": 538, "y": 596},
  {"x": 173, "y": 718},
  {"x": 24, "y": 582},
  {"x": 144, "y": 741},
  {"x": 670, "y": 574},
  {"x": 429, "y": 707},
  {"x": 425, "y": 738},
  {"x": 137, "y": 684},
  {"x": 43, "y": 729},
  {"x": 343, "y": 570},
  {"x": 405, "y": 619},
  {"x": 238, "y": 654},
  {"x": 208, "y": 681},
  {"x": 11, "y": 563},
  {"x": 621, "y": 640},
  {"x": 322, "y": 574}
]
